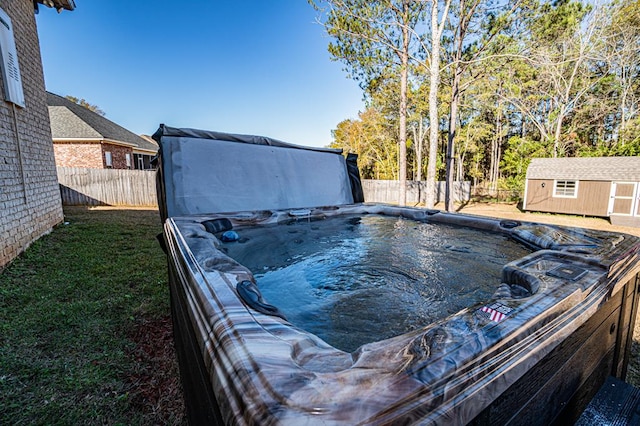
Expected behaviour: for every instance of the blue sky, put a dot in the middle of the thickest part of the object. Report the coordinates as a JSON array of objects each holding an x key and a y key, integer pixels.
[{"x": 253, "y": 67}]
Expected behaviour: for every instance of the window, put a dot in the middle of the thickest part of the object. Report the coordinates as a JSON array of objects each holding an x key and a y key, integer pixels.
[
  {"x": 565, "y": 188},
  {"x": 107, "y": 159},
  {"x": 128, "y": 159}
]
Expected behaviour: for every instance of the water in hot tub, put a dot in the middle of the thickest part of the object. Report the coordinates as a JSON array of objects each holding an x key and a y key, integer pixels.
[{"x": 354, "y": 280}]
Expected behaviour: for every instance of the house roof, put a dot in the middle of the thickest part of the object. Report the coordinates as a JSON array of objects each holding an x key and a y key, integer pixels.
[
  {"x": 58, "y": 4},
  {"x": 586, "y": 168},
  {"x": 71, "y": 121}
]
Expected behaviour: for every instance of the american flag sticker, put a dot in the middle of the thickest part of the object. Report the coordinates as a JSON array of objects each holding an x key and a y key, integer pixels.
[{"x": 495, "y": 312}]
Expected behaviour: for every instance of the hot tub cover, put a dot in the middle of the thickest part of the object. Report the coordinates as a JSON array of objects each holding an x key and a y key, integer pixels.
[{"x": 206, "y": 171}]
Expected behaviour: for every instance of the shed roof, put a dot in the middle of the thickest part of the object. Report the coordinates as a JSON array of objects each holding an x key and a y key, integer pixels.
[
  {"x": 72, "y": 121},
  {"x": 586, "y": 168}
]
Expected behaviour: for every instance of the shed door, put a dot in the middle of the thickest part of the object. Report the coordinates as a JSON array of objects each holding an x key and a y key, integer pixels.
[{"x": 624, "y": 199}]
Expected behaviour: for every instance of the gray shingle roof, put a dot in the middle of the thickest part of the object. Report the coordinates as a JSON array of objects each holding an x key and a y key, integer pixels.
[
  {"x": 58, "y": 4},
  {"x": 586, "y": 168},
  {"x": 72, "y": 121}
]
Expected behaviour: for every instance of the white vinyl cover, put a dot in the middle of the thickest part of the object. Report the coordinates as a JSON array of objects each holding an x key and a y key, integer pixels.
[{"x": 210, "y": 176}]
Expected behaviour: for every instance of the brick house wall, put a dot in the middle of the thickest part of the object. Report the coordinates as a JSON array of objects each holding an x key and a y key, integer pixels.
[
  {"x": 118, "y": 156},
  {"x": 79, "y": 154},
  {"x": 30, "y": 203},
  {"x": 92, "y": 155}
]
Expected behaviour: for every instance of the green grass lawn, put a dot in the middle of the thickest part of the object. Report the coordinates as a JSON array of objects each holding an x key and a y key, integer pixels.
[{"x": 84, "y": 329}]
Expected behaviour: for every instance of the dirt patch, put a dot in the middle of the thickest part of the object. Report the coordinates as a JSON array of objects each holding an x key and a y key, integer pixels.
[
  {"x": 511, "y": 211},
  {"x": 154, "y": 382}
]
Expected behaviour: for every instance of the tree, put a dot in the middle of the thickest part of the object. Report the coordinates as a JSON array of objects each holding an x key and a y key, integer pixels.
[
  {"x": 86, "y": 104},
  {"x": 432, "y": 55},
  {"x": 474, "y": 25},
  {"x": 374, "y": 38},
  {"x": 563, "y": 44},
  {"x": 622, "y": 51},
  {"x": 520, "y": 78},
  {"x": 371, "y": 137},
  {"x": 516, "y": 159}
]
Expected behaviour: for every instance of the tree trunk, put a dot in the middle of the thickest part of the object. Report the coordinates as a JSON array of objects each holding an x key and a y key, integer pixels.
[
  {"x": 402, "y": 175},
  {"x": 453, "y": 118},
  {"x": 418, "y": 136},
  {"x": 558, "y": 132},
  {"x": 448, "y": 199},
  {"x": 434, "y": 75},
  {"x": 455, "y": 98},
  {"x": 495, "y": 153}
]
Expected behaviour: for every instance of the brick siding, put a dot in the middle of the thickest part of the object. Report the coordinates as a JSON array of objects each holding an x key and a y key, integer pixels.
[
  {"x": 118, "y": 156},
  {"x": 30, "y": 202},
  {"x": 91, "y": 155},
  {"x": 79, "y": 154}
]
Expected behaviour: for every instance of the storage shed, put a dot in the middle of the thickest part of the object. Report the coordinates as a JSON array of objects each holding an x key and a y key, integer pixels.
[{"x": 591, "y": 186}]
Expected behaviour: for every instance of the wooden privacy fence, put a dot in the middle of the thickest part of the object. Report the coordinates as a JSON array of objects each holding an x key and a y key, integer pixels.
[
  {"x": 107, "y": 187},
  {"x": 116, "y": 187},
  {"x": 386, "y": 191}
]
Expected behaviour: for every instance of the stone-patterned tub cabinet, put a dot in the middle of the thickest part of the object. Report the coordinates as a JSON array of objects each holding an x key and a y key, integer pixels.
[{"x": 560, "y": 321}]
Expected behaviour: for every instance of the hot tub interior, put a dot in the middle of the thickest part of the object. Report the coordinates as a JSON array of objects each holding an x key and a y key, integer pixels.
[{"x": 358, "y": 279}]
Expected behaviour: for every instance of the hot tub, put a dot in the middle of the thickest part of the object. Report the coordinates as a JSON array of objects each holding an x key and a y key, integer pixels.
[{"x": 528, "y": 342}]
